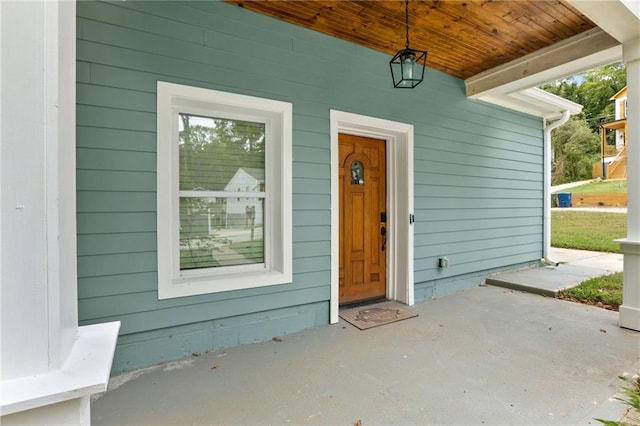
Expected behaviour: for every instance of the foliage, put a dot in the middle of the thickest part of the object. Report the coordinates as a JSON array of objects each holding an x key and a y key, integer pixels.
[
  {"x": 587, "y": 230},
  {"x": 605, "y": 291},
  {"x": 212, "y": 150},
  {"x": 631, "y": 398},
  {"x": 601, "y": 187},
  {"x": 592, "y": 90},
  {"x": 575, "y": 148}
]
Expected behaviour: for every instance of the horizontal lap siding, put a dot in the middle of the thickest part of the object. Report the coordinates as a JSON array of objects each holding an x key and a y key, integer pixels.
[
  {"x": 478, "y": 198},
  {"x": 117, "y": 72},
  {"x": 478, "y": 191}
]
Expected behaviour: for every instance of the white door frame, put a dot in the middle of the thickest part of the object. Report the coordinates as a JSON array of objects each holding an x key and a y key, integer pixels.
[{"x": 399, "y": 143}]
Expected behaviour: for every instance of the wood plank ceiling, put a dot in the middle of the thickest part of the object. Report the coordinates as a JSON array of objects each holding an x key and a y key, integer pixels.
[{"x": 463, "y": 37}]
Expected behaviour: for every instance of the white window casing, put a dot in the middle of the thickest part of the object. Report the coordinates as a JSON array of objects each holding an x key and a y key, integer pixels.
[{"x": 173, "y": 99}]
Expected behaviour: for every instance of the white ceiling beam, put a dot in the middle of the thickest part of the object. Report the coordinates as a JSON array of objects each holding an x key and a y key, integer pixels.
[
  {"x": 584, "y": 51},
  {"x": 620, "y": 18}
]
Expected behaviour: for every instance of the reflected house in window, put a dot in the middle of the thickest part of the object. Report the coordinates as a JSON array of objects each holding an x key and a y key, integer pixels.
[{"x": 245, "y": 212}]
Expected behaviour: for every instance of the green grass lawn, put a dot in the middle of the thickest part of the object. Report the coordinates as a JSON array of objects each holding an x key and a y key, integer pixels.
[
  {"x": 603, "y": 291},
  {"x": 591, "y": 231},
  {"x": 601, "y": 187},
  {"x": 587, "y": 230}
]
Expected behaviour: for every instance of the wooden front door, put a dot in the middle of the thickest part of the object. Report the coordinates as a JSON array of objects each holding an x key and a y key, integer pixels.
[{"x": 362, "y": 202}]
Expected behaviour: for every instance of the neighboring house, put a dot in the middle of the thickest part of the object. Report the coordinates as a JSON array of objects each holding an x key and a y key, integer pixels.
[
  {"x": 620, "y": 100},
  {"x": 363, "y": 183},
  {"x": 242, "y": 211},
  {"x": 614, "y": 157}
]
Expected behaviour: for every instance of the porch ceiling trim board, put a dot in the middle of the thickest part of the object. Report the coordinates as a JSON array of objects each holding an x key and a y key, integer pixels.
[
  {"x": 618, "y": 22},
  {"x": 618, "y": 18},
  {"x": 587, "y": 50}
]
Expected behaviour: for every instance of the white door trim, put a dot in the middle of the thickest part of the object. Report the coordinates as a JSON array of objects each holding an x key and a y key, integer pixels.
[{"x": 399, "y": 141}]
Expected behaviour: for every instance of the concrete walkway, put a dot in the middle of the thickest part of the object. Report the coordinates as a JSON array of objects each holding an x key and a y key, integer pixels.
[
  {"x": 575, "y": 267},
  {"x": 569, "y": 185},
  {"x": 486, "y": 355},
  {"x": 611, "y": 262}
]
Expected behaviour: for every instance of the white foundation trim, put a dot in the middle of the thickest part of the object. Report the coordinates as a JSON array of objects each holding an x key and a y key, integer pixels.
[
  {"x": 75, "y": 412},
  {"x": 630, "y": 309},
  {"x": 85, "y": 371},
  {"x": 399, "y": 138}
]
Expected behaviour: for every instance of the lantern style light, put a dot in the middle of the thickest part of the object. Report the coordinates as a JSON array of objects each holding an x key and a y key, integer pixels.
[{"x": 407, "y": 66}]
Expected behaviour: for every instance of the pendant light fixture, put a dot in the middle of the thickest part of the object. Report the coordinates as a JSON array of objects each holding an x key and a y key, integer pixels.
[{"x": 407, "y": 66}]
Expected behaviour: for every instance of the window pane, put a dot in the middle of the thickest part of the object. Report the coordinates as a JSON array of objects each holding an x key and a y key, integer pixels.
[
  {"x": 216, "y": 232},
  {"x": 221, "y": 155}
]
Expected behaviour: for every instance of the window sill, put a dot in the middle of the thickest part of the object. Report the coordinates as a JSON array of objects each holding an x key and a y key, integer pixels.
[{"x": 192, "y": 286}]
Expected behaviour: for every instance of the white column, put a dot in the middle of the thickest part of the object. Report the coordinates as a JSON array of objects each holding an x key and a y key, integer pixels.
[
  {"x": 28, "y": 161},
  {"x": 49, "y": 365},
  {"x": 630, "y": 309}
]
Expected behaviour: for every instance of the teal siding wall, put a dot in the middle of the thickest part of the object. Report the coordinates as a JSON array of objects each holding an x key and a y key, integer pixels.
[{"x": 478, "y": 180}]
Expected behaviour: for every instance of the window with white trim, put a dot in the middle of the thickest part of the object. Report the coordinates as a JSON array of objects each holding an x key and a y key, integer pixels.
[{"x": 224, "y": 191}]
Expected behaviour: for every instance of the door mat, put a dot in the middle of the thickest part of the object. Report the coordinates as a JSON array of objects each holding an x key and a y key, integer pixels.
[{"x": 365, "y": 317}]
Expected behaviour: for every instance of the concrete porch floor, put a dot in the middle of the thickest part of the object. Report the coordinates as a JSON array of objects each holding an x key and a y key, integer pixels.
[{"x": 486, "y": 355}]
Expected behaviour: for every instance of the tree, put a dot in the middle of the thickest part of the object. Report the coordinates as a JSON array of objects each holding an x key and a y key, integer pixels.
[
  {"x": 212, "y": 150},
  {"x": 575, "y": 149},
  {"x": 576, "y": 144},
  {"x": 593, "y": 90}
]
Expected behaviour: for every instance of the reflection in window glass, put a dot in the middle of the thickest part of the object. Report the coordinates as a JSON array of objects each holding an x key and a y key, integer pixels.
[
  {"x": 212, "y": 150},
  {"x": 222, "y": 182}
]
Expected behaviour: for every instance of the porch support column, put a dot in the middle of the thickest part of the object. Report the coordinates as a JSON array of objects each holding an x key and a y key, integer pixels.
[
  {"x": 49, "y": 365},
  {"x": 630, "y": 246}
]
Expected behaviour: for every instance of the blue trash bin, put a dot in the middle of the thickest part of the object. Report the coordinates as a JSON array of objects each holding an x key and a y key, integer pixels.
[{"x": 564, "y": 199}]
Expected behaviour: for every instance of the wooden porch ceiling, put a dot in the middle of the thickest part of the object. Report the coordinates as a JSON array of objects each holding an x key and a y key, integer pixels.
[{"x": 463, "y": 37}]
